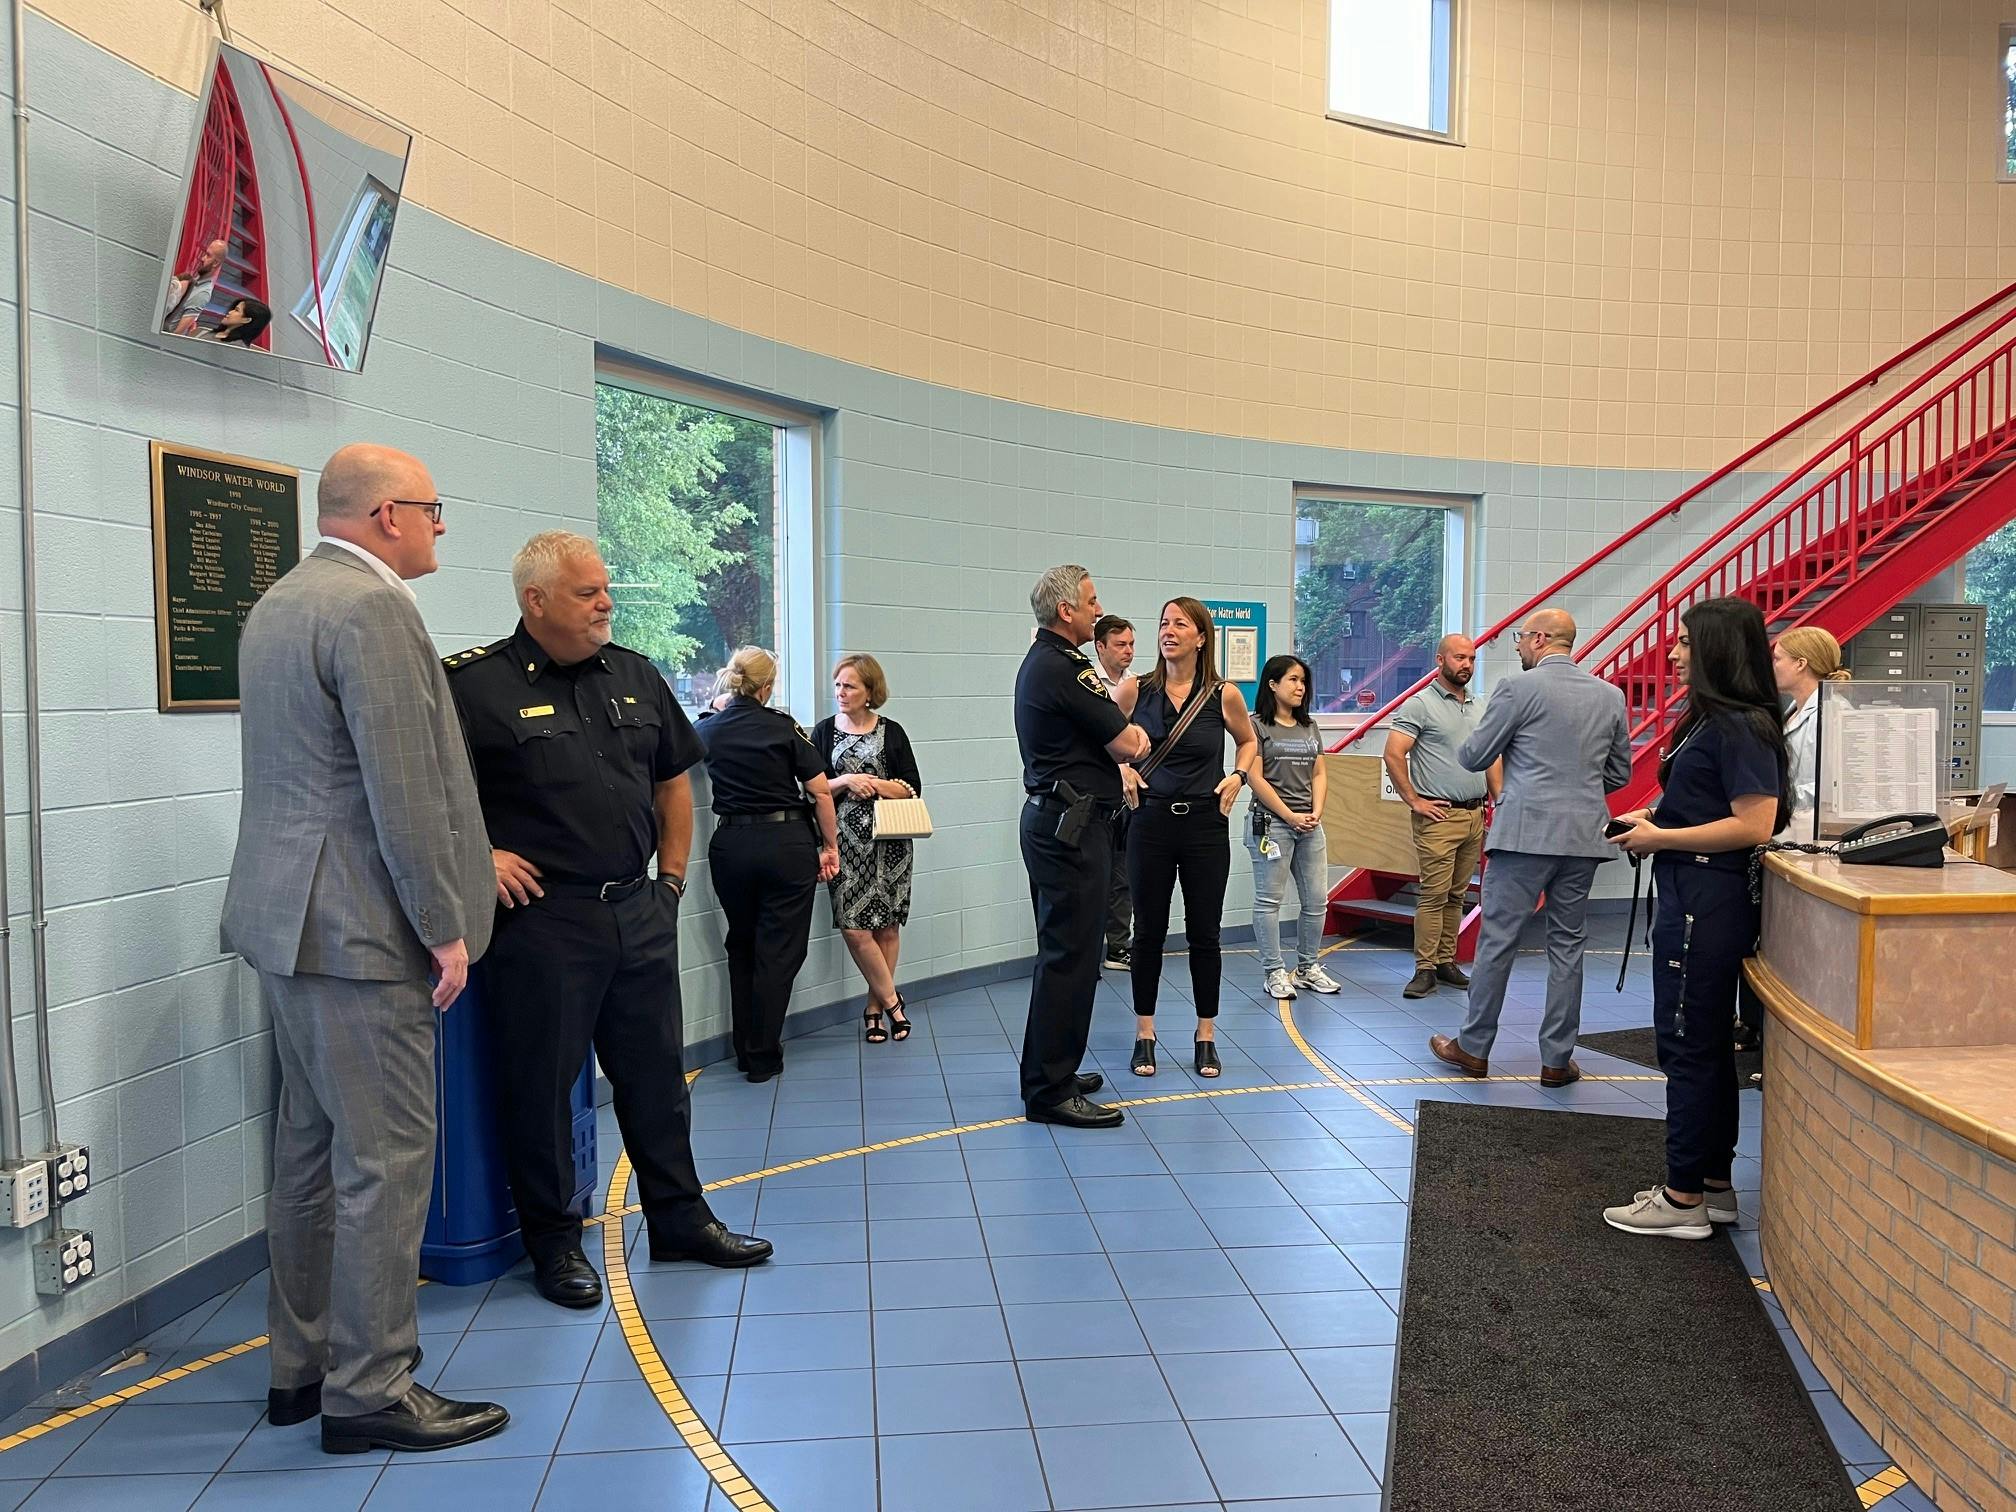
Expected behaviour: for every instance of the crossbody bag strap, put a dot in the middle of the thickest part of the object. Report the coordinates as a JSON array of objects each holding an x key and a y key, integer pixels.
[{"x": 1191, "y": 710}]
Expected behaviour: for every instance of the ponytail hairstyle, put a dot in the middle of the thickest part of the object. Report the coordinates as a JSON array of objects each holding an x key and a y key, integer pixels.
[
  {"x": 1729, "y": 678},
  {"x": 1266, "y": 705},
  {"x": 1819, "y": 650},
  {"x": 749, "y": 671}
]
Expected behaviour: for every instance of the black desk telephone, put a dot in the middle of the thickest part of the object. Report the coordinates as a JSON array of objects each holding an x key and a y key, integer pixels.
[{"x": 1899, "y": 840}]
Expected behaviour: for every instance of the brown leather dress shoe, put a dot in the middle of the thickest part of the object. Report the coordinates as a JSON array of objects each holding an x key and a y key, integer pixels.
[
  {"x": 1446, "y": 1049},
  {"x": 1560, "y": 1076}
]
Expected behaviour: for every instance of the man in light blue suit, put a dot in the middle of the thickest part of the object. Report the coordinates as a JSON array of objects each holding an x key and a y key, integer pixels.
[{"x": 1566, "y": 743}]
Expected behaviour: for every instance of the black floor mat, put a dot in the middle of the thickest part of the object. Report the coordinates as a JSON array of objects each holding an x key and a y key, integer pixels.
[
  {"x": 1640, "y": 1047},
  {"x": 1548, "y": 1361}
]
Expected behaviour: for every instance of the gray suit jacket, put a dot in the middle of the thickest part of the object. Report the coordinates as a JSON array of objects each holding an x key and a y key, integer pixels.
[
  {"x": 360, "y": 839},
  {"x": 1567, "y": 745}
]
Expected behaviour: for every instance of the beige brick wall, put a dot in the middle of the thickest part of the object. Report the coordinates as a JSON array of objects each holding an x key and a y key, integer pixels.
[
  {"x": 1674, "y": 225},
  {"x": 1892, "y": 1245}
]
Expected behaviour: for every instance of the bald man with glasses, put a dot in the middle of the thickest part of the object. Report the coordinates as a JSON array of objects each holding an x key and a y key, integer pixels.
[{"x": 1565, "y": 741}]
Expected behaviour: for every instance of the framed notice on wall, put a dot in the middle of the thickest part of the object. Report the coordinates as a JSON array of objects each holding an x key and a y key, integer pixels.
[{"x": 225, "y": 528}]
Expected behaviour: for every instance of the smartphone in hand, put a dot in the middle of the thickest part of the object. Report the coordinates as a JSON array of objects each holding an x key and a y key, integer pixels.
[{"x": 1617, "y": 827}]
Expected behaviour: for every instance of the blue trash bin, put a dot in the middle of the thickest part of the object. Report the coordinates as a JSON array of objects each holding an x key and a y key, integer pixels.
[{"x": 472, "y": 1227}]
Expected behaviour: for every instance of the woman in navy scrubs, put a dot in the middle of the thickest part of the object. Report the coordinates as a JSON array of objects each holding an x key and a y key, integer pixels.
[{"x": 1724, "y": 780}]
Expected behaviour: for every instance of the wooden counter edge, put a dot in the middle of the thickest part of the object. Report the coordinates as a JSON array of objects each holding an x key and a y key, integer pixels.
[
  {"x": 1891, "y": 904},
  {"x": 1816, "y": 1031}
]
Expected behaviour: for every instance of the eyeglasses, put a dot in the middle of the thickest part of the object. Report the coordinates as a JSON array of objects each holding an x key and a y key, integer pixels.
[{"x": 431, "y": 506}]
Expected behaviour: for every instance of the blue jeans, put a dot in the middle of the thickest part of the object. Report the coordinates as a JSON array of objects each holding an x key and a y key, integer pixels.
[{"x": 1308, "y": 858}]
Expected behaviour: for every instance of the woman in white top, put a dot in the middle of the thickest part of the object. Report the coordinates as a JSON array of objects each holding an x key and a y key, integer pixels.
[{"x": 1803, "y": 659}]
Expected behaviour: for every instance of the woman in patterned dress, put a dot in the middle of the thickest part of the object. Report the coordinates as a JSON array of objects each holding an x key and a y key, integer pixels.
[{"x": 867, "y": 757}]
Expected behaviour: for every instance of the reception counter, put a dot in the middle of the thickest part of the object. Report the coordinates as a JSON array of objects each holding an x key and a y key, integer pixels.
[{"x": 1889, "y": 1193}]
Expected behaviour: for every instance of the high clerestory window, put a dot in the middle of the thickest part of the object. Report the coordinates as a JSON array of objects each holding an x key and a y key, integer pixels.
[{"x": 1396, "y": 65}]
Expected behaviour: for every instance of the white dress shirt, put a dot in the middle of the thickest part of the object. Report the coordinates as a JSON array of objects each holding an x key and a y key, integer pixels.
[
  {"x": 376, "y": 564},
  {"x": 1802, "y": 749}
]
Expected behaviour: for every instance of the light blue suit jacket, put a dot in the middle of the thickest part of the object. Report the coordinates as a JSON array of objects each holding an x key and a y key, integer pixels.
[{"x": 1567, "y": 746}]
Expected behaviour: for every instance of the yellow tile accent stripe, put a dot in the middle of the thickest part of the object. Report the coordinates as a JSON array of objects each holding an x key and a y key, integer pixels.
[
  {"x": 112, "y": 1399},
  {"x": 1331, "y": 1076},
  {"x": 1877, "y": 1487},
  {"x": 679, "y": 1411}
]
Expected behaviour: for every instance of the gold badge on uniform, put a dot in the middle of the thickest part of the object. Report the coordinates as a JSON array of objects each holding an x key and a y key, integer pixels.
[
  {"x": 628, "y": 699},
  {"x": 1090, "y": 680},
  {"x": 535, "y": 711}
]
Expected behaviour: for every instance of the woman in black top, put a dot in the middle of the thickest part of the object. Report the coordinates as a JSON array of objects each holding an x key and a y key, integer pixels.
[
  {"x": 768, "y": 855},
  {"x": 867, "y": 756},
  {"x": 1725, "y": 793},
  {"x": 1179, "y": 832}
]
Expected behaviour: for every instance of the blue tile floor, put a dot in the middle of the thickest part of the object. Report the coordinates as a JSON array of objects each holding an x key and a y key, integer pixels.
[{"x": 1194, "y": 1312}]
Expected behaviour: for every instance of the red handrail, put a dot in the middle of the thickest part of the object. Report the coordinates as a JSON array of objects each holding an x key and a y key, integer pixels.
[{"x": 1728, "y": 469}]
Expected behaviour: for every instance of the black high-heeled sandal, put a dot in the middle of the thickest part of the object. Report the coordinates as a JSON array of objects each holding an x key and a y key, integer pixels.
[
  {"x": 1143, "y": 1062},
  {"x": 899, "y": 1028},
  {"x": 875, "y": 1034},
  {"x": 1207, "y": 1058}
]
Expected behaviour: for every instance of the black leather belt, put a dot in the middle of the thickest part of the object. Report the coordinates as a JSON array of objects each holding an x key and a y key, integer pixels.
[
  {"x": 1181, "y": 804},
  {"x": 775, "y": 816},
  {"x": 1050, "y": 803},
  {"x": 607, "y": 892},
  {"x": 1458, "y": 803}
]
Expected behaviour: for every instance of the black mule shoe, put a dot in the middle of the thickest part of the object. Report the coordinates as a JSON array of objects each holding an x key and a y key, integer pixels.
[
  {"x": 1143, "y": 1062},
  {"x": 899, "y": 1028},
  {"x": 875, "y": 1034},
  {"x": 1207, "y": 1058}
]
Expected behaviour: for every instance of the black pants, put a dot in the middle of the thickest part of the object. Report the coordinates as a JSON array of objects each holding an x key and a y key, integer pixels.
[
  {"x": 1119, "y": 903},
  {"x": 560, "y": 974},
  {"x": 1067, "y": 885},
  {"x": 766, "y": 876},
  {"x": 1703, "y": 927},
  {"x": 1163, "y": 848}
]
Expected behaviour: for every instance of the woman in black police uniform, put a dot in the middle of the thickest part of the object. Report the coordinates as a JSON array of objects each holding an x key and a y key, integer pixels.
[
  {"x": 765, "y": 858},
  {"x": 1724, "y": 776},
  {"x": 1179, "y": 831}
]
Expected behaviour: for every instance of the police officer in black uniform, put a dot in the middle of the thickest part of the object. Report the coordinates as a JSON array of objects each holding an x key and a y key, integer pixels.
[
  {"x": 581, "y": 756},
  {"x": 1072, "y": 736},
  {"x": 771, "y": 850}
]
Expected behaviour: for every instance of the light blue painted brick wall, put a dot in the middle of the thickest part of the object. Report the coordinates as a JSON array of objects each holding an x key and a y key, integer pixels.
[{"x": 939, "y": 510}]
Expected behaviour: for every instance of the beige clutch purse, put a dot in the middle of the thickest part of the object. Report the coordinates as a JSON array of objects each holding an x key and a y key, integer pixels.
[{"x": 902, "y": 819}]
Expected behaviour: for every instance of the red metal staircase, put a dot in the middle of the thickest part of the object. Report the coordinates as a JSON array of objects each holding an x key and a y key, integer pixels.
[{"x": 1917, "y": 480}]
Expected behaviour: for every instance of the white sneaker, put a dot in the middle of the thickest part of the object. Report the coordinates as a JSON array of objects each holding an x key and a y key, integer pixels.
[
  {"x": 1651, "y": 1212},
  {"x": 1721, "y": 1206},
  {"x": 1316, "y": 979},
  {"x": 1279, "y": 985}
]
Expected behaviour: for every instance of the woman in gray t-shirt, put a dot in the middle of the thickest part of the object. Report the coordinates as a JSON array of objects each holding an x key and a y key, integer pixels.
[{"x": 1286, "y": 834}]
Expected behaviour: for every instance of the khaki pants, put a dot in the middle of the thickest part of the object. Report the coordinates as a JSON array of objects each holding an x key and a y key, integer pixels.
[{"x": 1448, "y": 850}]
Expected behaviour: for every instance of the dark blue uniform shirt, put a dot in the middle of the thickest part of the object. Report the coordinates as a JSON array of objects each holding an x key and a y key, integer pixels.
[
  {"x": 1064, "y": 718},
  {"x": 758, "y": 758},
  {"x": 568, "y": 758},
  {"x": 1721, "y": 760}
]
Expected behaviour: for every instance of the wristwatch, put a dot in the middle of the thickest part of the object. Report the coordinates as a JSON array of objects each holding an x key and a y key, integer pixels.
[{"x": 677, "y": 884}]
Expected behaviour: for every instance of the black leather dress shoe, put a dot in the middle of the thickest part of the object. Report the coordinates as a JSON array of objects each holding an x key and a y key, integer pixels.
[
  {"x": 1077, "y": 1113},
  {"x": 714, "y": 1245},
  {"x": 1089, "y": 1082},
  {"x": 568, "y": 1280},
  {"x": 417, "y": 1422},
  {"x": 1451, "y": 974},
  {"x": 296, "y": 1404}
]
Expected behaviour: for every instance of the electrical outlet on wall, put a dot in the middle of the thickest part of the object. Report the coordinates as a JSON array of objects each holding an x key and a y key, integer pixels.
[
  {"x": 69, "y": 1171},
  {"x": 24, "y": 1193},
  {"x": 70, "y": 1259}
]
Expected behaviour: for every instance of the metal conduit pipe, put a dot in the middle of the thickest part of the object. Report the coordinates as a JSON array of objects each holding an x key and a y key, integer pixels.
[{"x": 10, "y": 1097}]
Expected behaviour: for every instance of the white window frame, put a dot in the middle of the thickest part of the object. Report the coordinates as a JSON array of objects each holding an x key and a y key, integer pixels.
[
  {"x": 799, "y": 468},
  {"x": 1456, "y": 135},
  {"x": 2007, "y": 37},
  {"x": 1459, "y": 559}
]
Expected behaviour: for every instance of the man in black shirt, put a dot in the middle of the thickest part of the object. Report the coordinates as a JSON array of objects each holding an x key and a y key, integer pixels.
[
  {"x": 581, "y": 755},
  {"x": 1072, "y": 735}
]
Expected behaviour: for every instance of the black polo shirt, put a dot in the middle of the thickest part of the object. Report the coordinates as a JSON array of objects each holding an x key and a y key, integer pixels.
[
  {"x": 757, "y": 758},
  {"x": 1064, "y": 718},
  {"x": 568, "y": 758}
]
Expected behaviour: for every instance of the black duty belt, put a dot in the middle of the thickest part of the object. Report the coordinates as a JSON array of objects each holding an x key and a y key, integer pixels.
[
  {"x": 1456, "y": 803},
  {"x": 1050, "y": 803},
  {"x": 607, "y": 892},
  {"x": 775, "y": 816}
]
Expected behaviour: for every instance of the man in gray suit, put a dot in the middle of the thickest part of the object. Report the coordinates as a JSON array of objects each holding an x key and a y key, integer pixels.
[
  {"x": 362, "y": 867},
  {"x": 1566, "y": 743}
]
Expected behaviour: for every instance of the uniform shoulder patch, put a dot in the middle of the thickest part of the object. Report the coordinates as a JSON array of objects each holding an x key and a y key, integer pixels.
[
  {"x": 473, "y": 654},
  {"x": 800, "y": 729},
  {"x": 1090, "y": 681}
]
